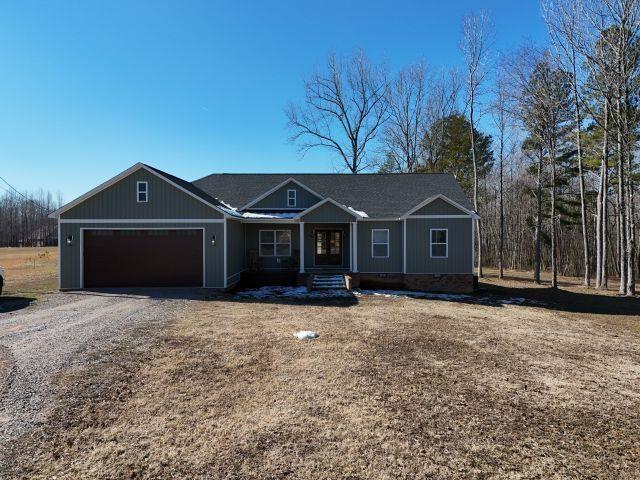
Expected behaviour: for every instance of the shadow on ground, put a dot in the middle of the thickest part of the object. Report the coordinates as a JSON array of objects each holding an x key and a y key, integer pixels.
[
  {"x": 566, "y": 300},
  {"x": 10, "y": 303}
]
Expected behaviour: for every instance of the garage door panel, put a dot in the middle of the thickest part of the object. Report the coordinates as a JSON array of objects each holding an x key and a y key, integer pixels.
[{"x": 142, "y": 258}]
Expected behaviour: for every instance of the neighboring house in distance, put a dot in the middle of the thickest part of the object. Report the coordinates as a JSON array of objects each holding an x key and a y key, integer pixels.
[{"x": 146, "y": 227}]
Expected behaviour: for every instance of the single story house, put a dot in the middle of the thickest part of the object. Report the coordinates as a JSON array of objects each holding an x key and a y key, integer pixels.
[{"x": 145, "y": 227}]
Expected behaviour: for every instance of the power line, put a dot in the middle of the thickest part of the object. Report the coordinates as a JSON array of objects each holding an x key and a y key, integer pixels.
[{"x": 22, "y": 195}]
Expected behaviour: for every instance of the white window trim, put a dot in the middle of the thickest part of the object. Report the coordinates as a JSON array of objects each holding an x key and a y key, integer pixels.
[
  {"x": 146, "y": 192},
  {"x": 274, "y": 243},
  {"x": 387, "y": 243},
  {"x": 446, "y": 244},
  {"x": 294, "y": 198}
]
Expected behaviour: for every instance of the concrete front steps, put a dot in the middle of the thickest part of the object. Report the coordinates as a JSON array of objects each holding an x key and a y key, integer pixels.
[{"x": 329, "y": 282}]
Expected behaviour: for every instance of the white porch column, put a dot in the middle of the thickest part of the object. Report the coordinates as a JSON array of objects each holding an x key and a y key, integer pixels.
[
  {"x": 301, "y": 247},
  {"x": 404, "y": 245},
  {"x": 354, "y": 228}
]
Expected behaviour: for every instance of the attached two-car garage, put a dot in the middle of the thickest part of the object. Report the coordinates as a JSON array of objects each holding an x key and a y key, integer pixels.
[{"x": 142, "y": 257}]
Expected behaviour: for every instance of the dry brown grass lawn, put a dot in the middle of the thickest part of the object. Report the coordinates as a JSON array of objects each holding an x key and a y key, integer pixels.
[
  {"x": 393, "y": 388},
  {"x": 29, "y": 270}
]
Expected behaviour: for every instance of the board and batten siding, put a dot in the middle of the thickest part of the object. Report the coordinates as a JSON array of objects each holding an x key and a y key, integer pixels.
[
  {"x": 70, "y": 256},
  {"x": 460, "y": 250},
  {"x": 366, "y": 262},
  {"x": 119, "y": 200},
  {"x": 328, "y": 213},
  {"x": 310, "y": 245},
  {"x": 278, "y": 198},
  {"x": 252, "y": 242},
  {"x": 439, "y": 207},
  {"x": 236, "y": 258}
]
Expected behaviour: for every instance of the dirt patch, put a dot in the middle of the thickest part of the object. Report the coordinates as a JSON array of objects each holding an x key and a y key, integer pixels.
[{"x": 393, "y": 388}]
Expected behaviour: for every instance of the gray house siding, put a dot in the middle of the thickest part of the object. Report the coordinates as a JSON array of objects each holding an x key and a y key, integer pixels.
[
  {"x": 252, "y": 239},
  {"x": 418, "y": 246},
  {"x": 328, "y": 213},
  {"x": 236, "y": 258},
  {"x": 439, "y": 207},
  {"x": 119, "y": 201},
  {"x": 368, "y": 264},
  {"x": 70, "y": 256},
  {"x": 309, "y": 245},
  {"x": 278, "y": 199}
]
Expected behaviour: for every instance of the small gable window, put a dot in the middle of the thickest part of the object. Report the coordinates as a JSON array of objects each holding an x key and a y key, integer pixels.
[
  {"x": 380, "y": 243},
  {"x": 291, "y": 198},
  {"x": 439, "y": 243},
  {"x": 142, "y": 192}
]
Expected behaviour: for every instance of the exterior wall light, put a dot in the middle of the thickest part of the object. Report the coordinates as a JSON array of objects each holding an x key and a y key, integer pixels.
[
  {"x": 70, "y": 240},
  {"x": 213, "y": 240}
]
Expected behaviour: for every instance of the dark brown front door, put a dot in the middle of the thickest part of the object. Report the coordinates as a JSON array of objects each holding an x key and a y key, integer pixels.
[
  {"x": 328, "y": 247},
  {"x": 142, "y": 258}
]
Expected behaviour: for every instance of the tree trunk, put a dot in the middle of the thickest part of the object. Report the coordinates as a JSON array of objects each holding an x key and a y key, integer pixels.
[
  {"x": 554, "y": 262},
  {"x": 538, "y": 230},
  {"x": 583, "y": 205},
  {"x": 475, "y": 182},
  {"x": 601, "y": 250},
  {"x": 621, "y": 204},
  {"x": 501, "y": 244}
]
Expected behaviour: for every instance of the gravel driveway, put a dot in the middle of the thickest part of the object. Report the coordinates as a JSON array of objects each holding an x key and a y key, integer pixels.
[{"x": 58, "y": 333}]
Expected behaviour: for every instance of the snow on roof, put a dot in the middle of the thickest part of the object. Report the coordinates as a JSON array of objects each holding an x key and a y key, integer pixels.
[
  {"x": 358, "y": 212},
  {"x": 270, "y": 215}
]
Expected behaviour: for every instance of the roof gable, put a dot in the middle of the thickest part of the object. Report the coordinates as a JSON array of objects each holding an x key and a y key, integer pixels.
[
  {"x": 182, "y": 185},
  {"x": 330, "y": 211},
  {"x": 276, "y": 197}
]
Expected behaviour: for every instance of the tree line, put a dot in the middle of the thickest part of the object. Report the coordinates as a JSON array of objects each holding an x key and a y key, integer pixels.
[
  {"x": 24, "y": 221},
  {"x": 543, "y": 138}
]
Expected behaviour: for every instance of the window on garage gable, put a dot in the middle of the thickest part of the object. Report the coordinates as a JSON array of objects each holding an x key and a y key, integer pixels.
[{"x": 142, "y": 192}]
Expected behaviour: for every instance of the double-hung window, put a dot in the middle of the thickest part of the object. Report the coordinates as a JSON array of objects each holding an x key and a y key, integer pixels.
[
  {"x": 142, "y": 192},
  {"x": 291, "y": 198},
  {"x": 380, "y": 243},
  {"x": 275, "y": 243},
  {"x": 439, "y": 243}
]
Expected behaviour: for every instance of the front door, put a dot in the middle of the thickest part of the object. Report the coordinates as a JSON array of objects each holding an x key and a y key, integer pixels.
[{"x": 328, "y": 247}]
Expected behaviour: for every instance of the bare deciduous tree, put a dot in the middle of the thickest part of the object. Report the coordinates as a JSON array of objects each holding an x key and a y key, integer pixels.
[
  {"x": 405, "y": 129},
  {"x": 343, "y": 109},
  {"x": 475, "y": 46}
]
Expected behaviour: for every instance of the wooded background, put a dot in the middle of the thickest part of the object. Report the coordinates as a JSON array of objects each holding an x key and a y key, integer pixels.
[{"x": 543, "y": 139}]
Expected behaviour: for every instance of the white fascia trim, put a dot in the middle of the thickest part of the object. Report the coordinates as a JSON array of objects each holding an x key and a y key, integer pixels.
[
  {"x": 125, "y": 174},
  {"x": 328, "y": 200},
  {"x": 369, "y": 219},
  {"x": 266, "y": 220},
  {"x": 141, "y": 220},
  {"x": 280, "y": 185},
  {"x": 446, "y": 199}
]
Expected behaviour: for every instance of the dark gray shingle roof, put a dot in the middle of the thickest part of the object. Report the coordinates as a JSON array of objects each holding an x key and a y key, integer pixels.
[{"x": 379, "y": 195}]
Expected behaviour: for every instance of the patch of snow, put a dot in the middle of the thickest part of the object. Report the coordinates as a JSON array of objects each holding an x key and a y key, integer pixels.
[
  {"x": 306, "y": 335},
  {"x": 358, "y": 212},
  {"x": 270, "y": 215},
  {"x": 303, "y": 293}
]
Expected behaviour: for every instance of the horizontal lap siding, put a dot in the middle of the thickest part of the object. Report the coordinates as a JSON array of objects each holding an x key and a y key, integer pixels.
[
  {"x": 418, "y": 248},
  {"x": 278, "y": 199},
  {"x": 252, "y": 233},
  {"x": 368, "y": 264},
  {"x": 70, "y": 255},
  {"x": 119, "y": 201}
]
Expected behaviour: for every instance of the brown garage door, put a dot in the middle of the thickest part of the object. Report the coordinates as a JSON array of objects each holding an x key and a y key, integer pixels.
[{"x": 142, "y": 258}]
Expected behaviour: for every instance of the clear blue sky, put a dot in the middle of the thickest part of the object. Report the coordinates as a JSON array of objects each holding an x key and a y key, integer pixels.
[{"x": 88, "y": 88}]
